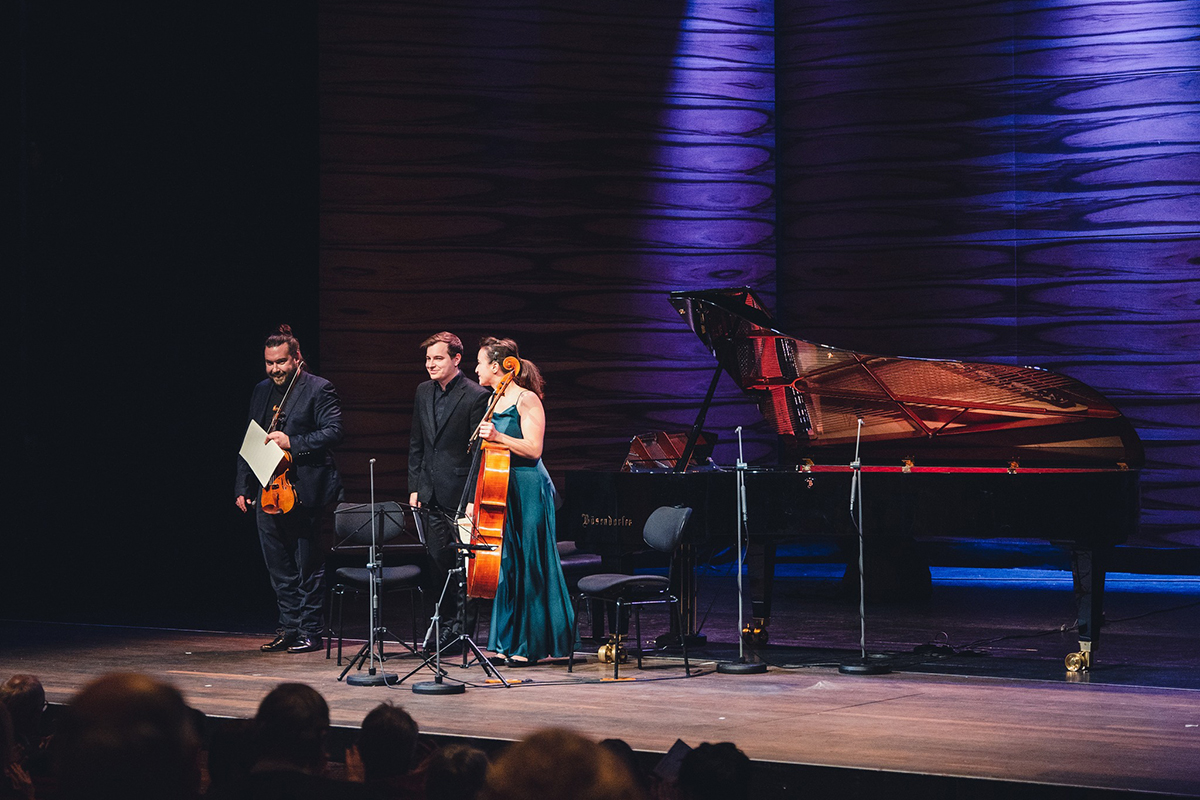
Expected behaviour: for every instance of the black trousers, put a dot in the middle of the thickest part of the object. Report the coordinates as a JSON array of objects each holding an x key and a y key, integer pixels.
[
  {"x": 440, "y": 536},
  {"x": 292, "y": 551}
]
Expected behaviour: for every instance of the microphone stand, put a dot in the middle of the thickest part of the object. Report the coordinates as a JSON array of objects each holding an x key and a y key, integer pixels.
[
  {"x": 741, "y": 666},
  {"x": 437, "y": 685},
  {"x": 864, "y": 664},
  {"x": 373, "y": 677}
]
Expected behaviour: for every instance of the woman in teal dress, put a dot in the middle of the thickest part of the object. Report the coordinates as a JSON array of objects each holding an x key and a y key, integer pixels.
[{"x": 532, "y": 617}]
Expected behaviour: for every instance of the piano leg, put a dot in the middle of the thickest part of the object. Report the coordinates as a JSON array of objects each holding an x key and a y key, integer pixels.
[
  {"x": 1088, "y": 568},
  {"x": 760, "y": 581}
]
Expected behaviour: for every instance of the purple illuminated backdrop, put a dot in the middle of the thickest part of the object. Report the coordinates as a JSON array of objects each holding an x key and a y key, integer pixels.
[{"x": 999, "y": 181}]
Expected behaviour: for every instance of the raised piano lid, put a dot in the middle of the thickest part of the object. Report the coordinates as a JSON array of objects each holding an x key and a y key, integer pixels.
[{"x": 932, "y": 411}]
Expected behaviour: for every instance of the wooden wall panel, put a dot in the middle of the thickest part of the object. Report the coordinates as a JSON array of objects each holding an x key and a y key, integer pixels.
[
  {"x": 1002, "y": 180},
  {"x": 546, "y": 171},
  {"x": 1005, "y": 181}
]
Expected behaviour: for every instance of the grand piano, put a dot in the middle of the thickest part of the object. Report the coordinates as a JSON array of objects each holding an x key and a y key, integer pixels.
[{"x": 942, "y": 448}]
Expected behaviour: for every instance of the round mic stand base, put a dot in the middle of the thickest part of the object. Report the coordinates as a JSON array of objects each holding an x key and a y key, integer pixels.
[
  {"x": 741, "y": 668},
  {"x": 376, "y": 679},
  {"x": 439, "y": 687},
  {"x": 870, "y": 665}
]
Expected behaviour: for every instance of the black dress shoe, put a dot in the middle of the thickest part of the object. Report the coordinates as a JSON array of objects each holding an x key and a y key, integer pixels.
[
  {"x": 306, "y": 644},
  {"x": 281, "y": 642}
]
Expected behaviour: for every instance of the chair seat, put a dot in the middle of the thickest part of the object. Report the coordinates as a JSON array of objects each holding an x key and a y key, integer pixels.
[
  {"x": 390, "y": 577},
  {"x": 573, "y": 560},
  {"x": 629, "y": 586}
]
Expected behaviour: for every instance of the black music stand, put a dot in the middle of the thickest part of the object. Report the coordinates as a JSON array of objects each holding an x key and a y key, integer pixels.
[
  {"x": 463, "y": 551},
  {"x": 371, "y": 524}
]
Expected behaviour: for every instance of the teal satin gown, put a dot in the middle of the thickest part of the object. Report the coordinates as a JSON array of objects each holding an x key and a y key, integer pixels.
[{"x": 532, "y": 614}]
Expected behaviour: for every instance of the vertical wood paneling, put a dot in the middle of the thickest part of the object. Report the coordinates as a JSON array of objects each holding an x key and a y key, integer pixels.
[
  {"x": 995, "y": 181},
  {"x": 548, "y": 171},
  {"x": 1005, "y": 181}
]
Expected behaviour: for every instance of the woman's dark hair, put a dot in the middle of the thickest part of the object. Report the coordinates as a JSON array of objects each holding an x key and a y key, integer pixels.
[{"x": 530, "y": 377}]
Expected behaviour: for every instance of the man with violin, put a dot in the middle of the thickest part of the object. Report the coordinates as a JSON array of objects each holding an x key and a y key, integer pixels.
[
  {"x": 446, "y": 411},
  {"x": 302, "y": 415}
]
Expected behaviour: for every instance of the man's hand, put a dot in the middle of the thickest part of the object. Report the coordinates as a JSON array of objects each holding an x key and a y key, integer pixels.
[
  {"x": 413, "y": 501},
  {"x": 241, "y": 503},
  {"x": 280, "y": 438}
]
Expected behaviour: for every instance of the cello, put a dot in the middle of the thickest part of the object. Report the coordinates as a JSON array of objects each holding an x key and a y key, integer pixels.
[
  {"x": 491, "y": 500},
  {"x": 279, "y": 495}
]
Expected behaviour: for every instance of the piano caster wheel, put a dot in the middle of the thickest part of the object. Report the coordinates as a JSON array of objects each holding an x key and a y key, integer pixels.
[
  {"x": 610, "y": 650},
  {"x": 1081, "y": 661},
  {"x": 755, "y": 633}
]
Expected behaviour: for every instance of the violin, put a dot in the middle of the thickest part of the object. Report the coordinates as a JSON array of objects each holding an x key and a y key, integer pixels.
[
  {"x": 279, "y": 495},
  {"x": 491, "y": 499}
]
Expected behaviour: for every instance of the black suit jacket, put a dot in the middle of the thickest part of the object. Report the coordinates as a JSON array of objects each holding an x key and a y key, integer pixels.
[
  {"x": 439, "y": 463},
  {"x": 312, "y": 419}
]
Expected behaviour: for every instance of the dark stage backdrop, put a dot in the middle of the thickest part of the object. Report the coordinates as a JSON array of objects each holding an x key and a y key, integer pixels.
[
  {"x": 547, "y": 171},
  {"x": 998, "y": 181},
  {"x": 164, "y": 217}
]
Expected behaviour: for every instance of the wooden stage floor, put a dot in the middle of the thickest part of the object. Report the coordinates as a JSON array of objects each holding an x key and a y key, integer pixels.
[{"x": 805, "y": 727}]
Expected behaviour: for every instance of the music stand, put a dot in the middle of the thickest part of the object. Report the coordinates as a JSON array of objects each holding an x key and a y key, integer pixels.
[
  {"x": 462, "y": 550},
  {"x": 371, "y": 524}
]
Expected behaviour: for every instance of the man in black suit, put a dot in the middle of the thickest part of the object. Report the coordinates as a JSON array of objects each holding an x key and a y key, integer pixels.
[
  {"x": 447, "y": 410},
  {"x": 309, "y": 426}
]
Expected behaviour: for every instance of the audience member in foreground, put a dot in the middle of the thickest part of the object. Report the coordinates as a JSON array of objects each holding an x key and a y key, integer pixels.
[
  {"x": 385, "y": 753},
  {"x": 557, "y": 764},
  {"x": 15, "y": 782},
  {"x": 25, "y": 700},
  {"x": 127, "y": 736},
  {"x": 291, "y": 727},
  {"x": 714, "y": 772},
  {"x": 455, "y": 772},
  {"x": 232, "y": 751}
]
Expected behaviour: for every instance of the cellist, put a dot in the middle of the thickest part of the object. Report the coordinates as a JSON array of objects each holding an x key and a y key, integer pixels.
[
  {"x": 307, "y": 421},
  {"x": 532, "y": 616}
]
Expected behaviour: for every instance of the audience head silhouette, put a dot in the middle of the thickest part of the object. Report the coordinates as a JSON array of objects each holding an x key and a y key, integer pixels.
[
  {"x": 387, "y": 742},
  {"x": 559, "y": 765},
  {"x": 127, "y": 736},
  {"x": 455, "y": 772},
  {"x": 25, "y": 700},
  {"x": 714, "y": 772},
  {"x": 292, "y": 723}
]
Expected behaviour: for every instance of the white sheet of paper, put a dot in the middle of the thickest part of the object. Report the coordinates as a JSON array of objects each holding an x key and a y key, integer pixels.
[{"x": 262, "y": 458}]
